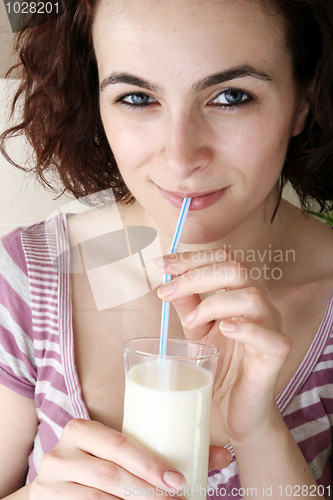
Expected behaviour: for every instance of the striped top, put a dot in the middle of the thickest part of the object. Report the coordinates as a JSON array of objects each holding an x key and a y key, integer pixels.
[{"x": 37, "y": 357}]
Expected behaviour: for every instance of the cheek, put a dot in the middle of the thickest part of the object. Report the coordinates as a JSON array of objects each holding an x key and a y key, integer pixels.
[
  {"x": 258, "y": 147},
  {"x": 131, "y": 145}
]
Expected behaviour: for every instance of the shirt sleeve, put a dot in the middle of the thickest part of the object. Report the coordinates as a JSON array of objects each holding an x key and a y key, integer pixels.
[{"x": 17, "y": 359}]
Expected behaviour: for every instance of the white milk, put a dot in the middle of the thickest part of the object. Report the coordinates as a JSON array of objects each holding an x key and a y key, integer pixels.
[{"x": 167, "y": 410}]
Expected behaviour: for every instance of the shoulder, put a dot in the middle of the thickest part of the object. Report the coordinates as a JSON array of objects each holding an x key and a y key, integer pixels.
[
  {"x": 16, "y": 250},
  {"x": 14, "y": 283},
  {"x": 312, "y": 241},
  {"x": 14, "y": 244},
  {"x": 316, "y": 261},
  {"x": 11, "y": 249},
  {"x": 319, "y": 250},
  {"x": 17, "y": 357},
  {"x": 24, "y": 258}
]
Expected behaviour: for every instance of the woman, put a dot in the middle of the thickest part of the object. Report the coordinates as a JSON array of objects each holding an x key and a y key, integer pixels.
[{"x": 223, "y": 102}]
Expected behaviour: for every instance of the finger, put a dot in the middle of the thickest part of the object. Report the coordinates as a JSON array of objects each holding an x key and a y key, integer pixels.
[
  {"x": 65, "y": 491},
  {"x": 219, "y": 457},
  {"x": 179, "y": 263},
  {"x": 248, "y": 304},
  {"x": 108, "y": 444},
  {"x": 184, "y": 307},
  {"x": 211, "y": 278},
  {"x": 92, "y": 472},
  {"x": 265, "y": 352},
  {"x": 260, "y": 339}
]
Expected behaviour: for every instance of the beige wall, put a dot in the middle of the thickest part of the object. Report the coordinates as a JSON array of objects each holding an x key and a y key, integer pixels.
[
  {"x": 22, "y": 200},
  {"x": 6, "y": 41}
]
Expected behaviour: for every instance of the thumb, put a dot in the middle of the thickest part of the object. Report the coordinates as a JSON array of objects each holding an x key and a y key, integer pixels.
[{"x": 219, "y": 457}]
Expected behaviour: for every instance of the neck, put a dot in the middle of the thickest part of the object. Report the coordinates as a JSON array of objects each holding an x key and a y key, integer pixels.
[{"x": 265, "y": 248}]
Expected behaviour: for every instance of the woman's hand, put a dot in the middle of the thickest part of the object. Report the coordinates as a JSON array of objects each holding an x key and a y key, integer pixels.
[
  {"x": 240, "y": 320},
  {"x": 93, "y": 461}
]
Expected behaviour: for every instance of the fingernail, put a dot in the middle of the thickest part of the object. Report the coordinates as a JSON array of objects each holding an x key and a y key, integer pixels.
[
  {"x": 167, "y": 289},
  {"x": 174, "y": 479},
  {"x": 158, "y": 263},
  {"x": 228, "y": 326},
  {"x": 161, "y": 263},
  {"x": 189, "y": 318}
]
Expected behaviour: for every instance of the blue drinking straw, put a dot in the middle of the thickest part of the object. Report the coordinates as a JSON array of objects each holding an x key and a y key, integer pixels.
[{"x": 167, "y": 277}]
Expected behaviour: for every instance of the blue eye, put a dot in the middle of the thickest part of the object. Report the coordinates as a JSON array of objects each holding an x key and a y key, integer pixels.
[
  {"x": 232, "y": 97},
  {"x": 137, "y": 99}
]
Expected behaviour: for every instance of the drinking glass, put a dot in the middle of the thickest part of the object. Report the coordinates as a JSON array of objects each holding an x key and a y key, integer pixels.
[{"x": 167, "y": 404}]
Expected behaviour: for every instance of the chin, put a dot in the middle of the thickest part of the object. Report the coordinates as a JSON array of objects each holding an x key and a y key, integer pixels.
[{"x": 196, "y": 234}]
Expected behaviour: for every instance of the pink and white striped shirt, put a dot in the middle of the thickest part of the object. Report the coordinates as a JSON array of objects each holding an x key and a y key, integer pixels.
[{"x": 37, "y": 358}]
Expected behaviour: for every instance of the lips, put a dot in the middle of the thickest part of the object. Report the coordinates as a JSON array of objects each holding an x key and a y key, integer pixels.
[{"x": 200, "y": 200}]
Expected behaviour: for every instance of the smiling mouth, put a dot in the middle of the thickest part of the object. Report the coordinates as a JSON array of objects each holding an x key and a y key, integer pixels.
[{"x": 200, "y": 200}]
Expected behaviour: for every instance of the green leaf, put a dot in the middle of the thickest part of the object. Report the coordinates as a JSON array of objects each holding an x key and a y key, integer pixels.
[{"x": 328, "y": 217}]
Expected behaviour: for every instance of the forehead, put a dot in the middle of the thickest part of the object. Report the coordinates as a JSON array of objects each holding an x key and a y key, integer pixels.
[{"x": 143, "y": 32}]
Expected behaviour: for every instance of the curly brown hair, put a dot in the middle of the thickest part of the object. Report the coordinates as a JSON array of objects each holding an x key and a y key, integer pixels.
[{"x": 61, "y": 118}]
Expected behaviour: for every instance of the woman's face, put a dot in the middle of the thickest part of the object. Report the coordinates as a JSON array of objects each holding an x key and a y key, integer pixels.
[{"x": 197, "y": 96}]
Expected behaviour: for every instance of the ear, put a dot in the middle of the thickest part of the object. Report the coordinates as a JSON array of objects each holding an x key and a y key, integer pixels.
[{"x": 302, "y": 113}]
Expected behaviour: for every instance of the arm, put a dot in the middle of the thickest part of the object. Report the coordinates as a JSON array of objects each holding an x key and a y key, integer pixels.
[
  {"x": 267, "y": 454},
  {"x": 252, "y": 353},
  {"x": 274, "y": 461},
  {"x": 96, "y": 461},
  {"x": 22, "y": 494},
  {"x": 18, "y": 424},
  {"x": 89, "y": 460}
]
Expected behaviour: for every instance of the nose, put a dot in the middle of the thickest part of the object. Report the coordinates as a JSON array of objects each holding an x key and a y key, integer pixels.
[{"x": 185, "y": 147}]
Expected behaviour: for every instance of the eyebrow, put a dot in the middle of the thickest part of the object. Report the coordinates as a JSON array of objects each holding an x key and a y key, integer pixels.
[
  {"x": 226, "y": 76},
  {"x": 217, "y": 78},
  {"x": 130, "y": 80}
]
